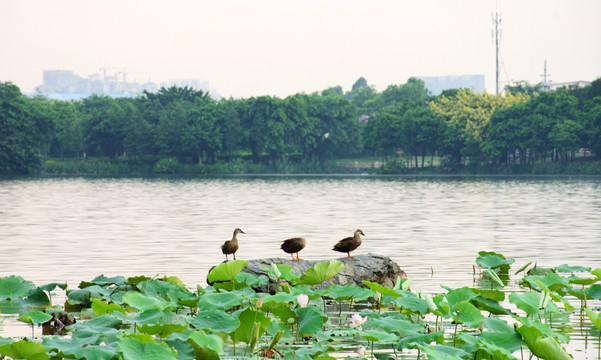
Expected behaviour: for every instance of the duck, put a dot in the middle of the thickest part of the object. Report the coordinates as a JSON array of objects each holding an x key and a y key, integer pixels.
[
  {"x": 231, "y": 246},
  {"x": 350, "y": 243},
  {"x": 294, "y": 245}
]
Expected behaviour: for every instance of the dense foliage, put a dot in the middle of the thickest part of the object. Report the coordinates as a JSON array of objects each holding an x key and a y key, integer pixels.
[
  {"x": 160, "y": 318},
  {"x": 175, "y": 127}
]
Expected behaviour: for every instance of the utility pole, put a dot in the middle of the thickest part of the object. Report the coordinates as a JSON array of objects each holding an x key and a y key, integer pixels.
[
  {"x": 496, "y": 19},
  {"x": 545, "y": 75}
]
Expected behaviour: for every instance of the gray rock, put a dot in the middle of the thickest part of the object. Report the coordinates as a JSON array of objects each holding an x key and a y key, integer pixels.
[{"x": 375, "y": 268}]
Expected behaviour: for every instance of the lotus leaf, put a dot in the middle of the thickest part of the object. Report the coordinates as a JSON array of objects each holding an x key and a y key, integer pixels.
[
  {"x": 544, "y": 347},
  {"x": 310, "y": 320},
  {"x": 36, "y": 298},
  {"x": 398, "y": 326},
  {"x": 443, "y": 352},
  {"x": 102, "y": 307},
  {"x": 206, "y": 346},
  {"x": 346, "y": 292},
  {"x": 143, "y": 302},
  {"x": 133, "y": 349},
  {"x": 220, "y": 301},
  {"x": 469, "y": 314},
  {"x": 226, "y": 271},
  {"x": 103, "y": 281},
  {"x": 13, "y": 287},
  {"x": 216, "y": 321},
  {"x": 248, "y": 317},
  {"x": 24, "y": 350},
  {"x": 51, "y": 286},
  {"x": 162, "y": 323},
  {"x": 594, "y": 317},
  {"x": 35, "y": 318},
  {"x": 527, "y": 302},
  {"x": 321, "y": 272},
  {"x": 381, "y": 289},
  {"x": 376, "y": 335},
  {"x": 414, "y": 342},
  {"x": 411, "y": 302},
  {"x": 492, "y": 260},
  {"x": 565, "y": 268}
]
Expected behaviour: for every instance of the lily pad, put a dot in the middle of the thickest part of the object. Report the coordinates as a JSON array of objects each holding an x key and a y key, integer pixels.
[
  {"x": 321, "y": 272},
  {"x": 133, "y": 349}
]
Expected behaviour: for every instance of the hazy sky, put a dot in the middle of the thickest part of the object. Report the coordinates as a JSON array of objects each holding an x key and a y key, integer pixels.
[{"x": 250, "y": 48}]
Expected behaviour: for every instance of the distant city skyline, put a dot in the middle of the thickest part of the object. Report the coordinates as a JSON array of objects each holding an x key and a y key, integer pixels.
[{"x": 280, "y": 48}]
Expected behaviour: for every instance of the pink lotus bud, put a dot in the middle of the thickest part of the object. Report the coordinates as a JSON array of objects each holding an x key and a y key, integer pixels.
[
  {"x": 303, "y": 300},
  {"x": 357, "y": 321}
]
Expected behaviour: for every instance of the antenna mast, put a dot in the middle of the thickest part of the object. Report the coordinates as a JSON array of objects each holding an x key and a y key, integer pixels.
[
  {"x": 545, "y": 75},
  {"x": 496, "y": 19}
]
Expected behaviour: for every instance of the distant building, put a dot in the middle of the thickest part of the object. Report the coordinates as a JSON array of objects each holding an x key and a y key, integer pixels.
[
  {"x": 437, "y": 84},
  {"x": 65, "y": 85},
  {"x": 569, "y": 85}
]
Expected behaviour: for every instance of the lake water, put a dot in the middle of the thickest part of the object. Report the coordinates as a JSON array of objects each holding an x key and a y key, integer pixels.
[{"x": 73, "y": 229}]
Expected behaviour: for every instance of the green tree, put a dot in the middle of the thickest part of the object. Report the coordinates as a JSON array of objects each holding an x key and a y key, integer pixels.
[{"x": 68, "y": 140}]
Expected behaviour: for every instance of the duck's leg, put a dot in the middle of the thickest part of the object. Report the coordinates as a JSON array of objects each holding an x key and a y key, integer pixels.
[
  {"x": 298, "y": 257},
  {"x": 234, "y": 256},
  {"x": 292, "y": 255},
  {"x": 348, "y": 253}
]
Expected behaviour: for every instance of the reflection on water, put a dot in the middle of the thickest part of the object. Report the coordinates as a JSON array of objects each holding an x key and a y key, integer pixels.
[{"x": 75, "y": 229}]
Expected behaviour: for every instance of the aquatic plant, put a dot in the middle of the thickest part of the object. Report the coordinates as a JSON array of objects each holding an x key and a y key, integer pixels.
[{"x": 140, "y": 317}]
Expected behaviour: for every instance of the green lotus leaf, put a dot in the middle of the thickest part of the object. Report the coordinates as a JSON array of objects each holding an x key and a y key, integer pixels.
[
  {"x": 544, "y": 329},
  {"x": 35, "y": 318},
  {"x": 216, "y": 321},
  {"x": 411, "y": 302},
  {"x": 444, "y": 352},
  {"x": 78, "y": 348},
  {"x": 527, "y": 302},
  {"x": 492, "y": 260},
  {"x": 280, "y": 309},
  {"x": 51, "y": 286},
  {"x": 220, "y": 301},
  {"x": 205, "y": 344},
  {"x": 11, "y": 306},
  {"x": 321, "y": 272},
  {"x": 565, "y": 268},
  {"x": 103, "y": 281},
  {"x": 381, "y": 289},
  {"x": 310, "y": 320},
  {"x": 37, "y": 298},
  {"x": 597, "y": 272},
  {"x": 544, "y": 347},
  {"x": 133, "y": 349},
  {"x": 24, "y": 350},
  {"x": 494, "y": 351},
  {"x": 346, "y": 292},
  {"x": 490, "y": 305},
  {"x": 102, "y": 307},
  {"x": 13, "y": 287},
  {"x": 398, "y": 326},
  {"x": 594, "y": 317},
  {"x": 102, "y": 324},
  {"x": 469, "y": 314},
  {"x": 593, "y": 292},
  {"x": 414, "y": 342},
  {"x": 551, "y": 280},
  {"x": 143, "y": 302},
  {"x": 226, "y": 271},
  {"x": 376, "y": 335},
  {"x": 247, "y": 318}
]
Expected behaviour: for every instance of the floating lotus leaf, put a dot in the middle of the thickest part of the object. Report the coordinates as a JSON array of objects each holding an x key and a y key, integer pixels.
[
  {"x": 103, "y": 281},
  {"x": 414, "y": 342},
  {"x": 133, "y": 349},
  {"x": 492, "y": 260},
  {"x": 76, "y": 348},
  {"x": 206, "y": 346},
  {"x": 443, "y": 352},
  {"x": 247, "y": 318},
  {"x": 13, "y": 287},
  {"x": 102, "y": 307},
  {"x": 99, "y": 325},
  {"x": 321, "y": 272},
  {"x": 310, "y": 320},
  {"x": 396, "y": 325},
  {"x": 226, "y": 271},
  {"x": 376, "y": 335},
  {"x": 220, "y": 301},
  {"x": 381, "y": 289},
  {"x": 216, "y": 321},
  {"x": 565, "y": 268},
  {"x": 51, "y": 286},
  {"x": 143, "y": 302},
  {"x": 469, "y": 314},
  {"x": 36, "y": 298},
  {"x": 544, "y": 347},
  {"x": 411, "y": 302},
  {"x": 35, "y": 318},
  {"x": 24, "y": 350},
  {"x": 594, "y": 317},
  {"x": 346, "y": 292}
]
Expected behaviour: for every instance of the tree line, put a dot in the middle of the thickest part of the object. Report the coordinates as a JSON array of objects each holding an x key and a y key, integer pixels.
[{"x": 524, "y": 125}]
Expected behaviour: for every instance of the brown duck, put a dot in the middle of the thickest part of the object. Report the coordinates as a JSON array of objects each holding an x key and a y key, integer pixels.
[
  {"x": 231, "y": 246},
  {"x": 350, "y": 243},
  {"x": 294, "y": 245}
]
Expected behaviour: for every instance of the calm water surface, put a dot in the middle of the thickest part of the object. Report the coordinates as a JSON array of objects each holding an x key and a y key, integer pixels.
[{"x": 54, "y": 230}]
